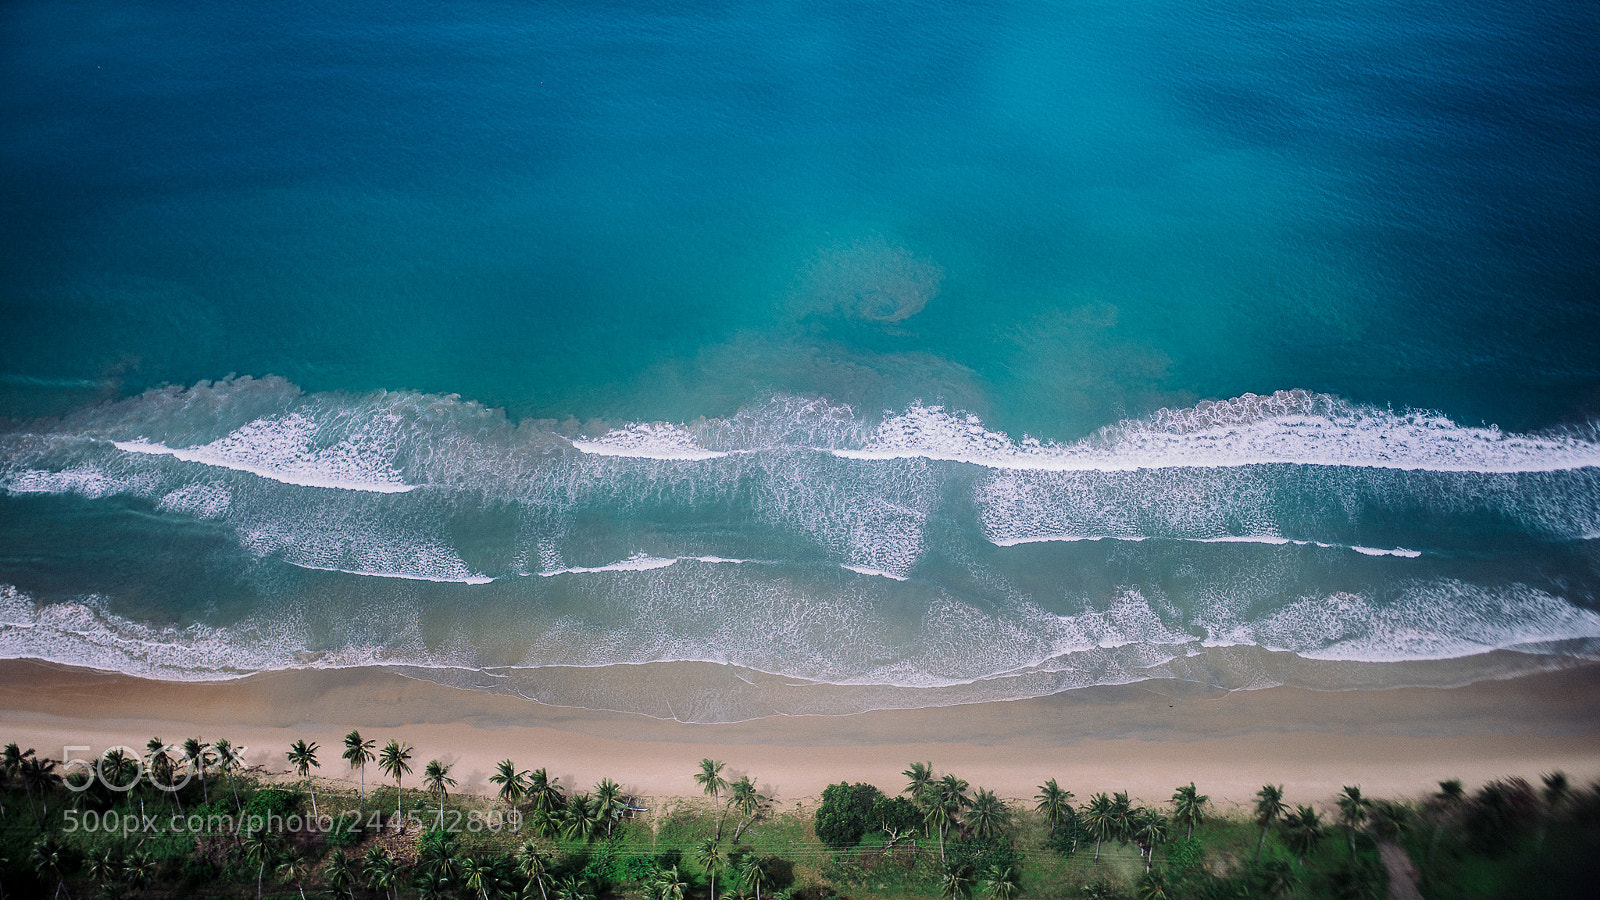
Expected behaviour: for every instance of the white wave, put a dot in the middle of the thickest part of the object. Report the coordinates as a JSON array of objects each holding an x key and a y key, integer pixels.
[
  {"x": 868, "y": 570},
  {"x": 1269, "y": 539},
  {"x": 656, "y": 440},
  {"x": 1434, "y": 620},
  {"x": 1288, "y": 427},
  {"x": 408, "y": 576},
  {"x": 715, "y": 559},
  {"x": 283, "y": 448},
  {"x": 638, "y": 562},
  {"x": 84, "y": 480},
  {"x": 206, "y": 500}
]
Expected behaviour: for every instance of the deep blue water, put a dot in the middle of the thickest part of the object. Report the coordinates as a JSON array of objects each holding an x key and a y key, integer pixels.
[{"x": 440, "y": 244}]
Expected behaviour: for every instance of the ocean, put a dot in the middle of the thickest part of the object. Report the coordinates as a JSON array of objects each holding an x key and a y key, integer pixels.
[{"x": 717, "y": 361}]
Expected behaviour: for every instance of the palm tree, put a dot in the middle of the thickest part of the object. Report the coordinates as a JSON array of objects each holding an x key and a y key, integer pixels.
[
  {"x": 395, "y": 761},
  {"x": 477, "y": 875},
  {"x": 1123, "y": 817},
  {"x": 436, "y": 777},
  {"x": 381, "y": 870},
  {"x": 139, "y": 869},
  {"x": 1002, "y": 882},
  {"x": 106, "y": 870},
  {"x": 303, "y": 757},
  {"x": 744, "y": 797},
  {"x": 358, "y": 753},
  {"x": 1055, "y": 803},
  {"x": 1188, "y": 807},
  {"x": 669, "y": 885},
  {"x": 513, "y": 784},
  {"x": 753, "y": 873},
  {"x": 1269, "y": 806},
  {"x": 47, "y": 857},
  {"x": 1353, "y": 813},
  {"x": 954, "y": 882},
  {"x": 1278, "y": 878},
  {"x": 544, "y": 792},
  {"x": 162, "y": 770},
  {"x": 712, "y": 784},
  {"x": 294, "y": 868},
  {"x": 1153, "y": 885},
  {"x": 1449, "y": 800},
  {"x": 582, "y": 817},
  {"x": 987, "y": 815},
  {"x": 260, "y": 846},
  {"x": 1099, "y": 815},
  {"x": 341, "y": 876},
  {"x": 1304, "y": 830},
  {"x": 921, "y": 775},
  {"x": 199, "y": 758},
  {"x": 39, "y": 776},
  {"x": 229, "y": 759},
  {"x": 1150, "y": 830},
  {"x": 573, "y": 887},
  {"x": 609, "y": 796},
  {"x": 708, "y": 854},
  {"x": 534, "y": 865}
]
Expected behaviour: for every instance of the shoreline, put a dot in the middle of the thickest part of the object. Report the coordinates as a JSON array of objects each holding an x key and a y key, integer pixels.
[{"x": 1145, "y": 738}]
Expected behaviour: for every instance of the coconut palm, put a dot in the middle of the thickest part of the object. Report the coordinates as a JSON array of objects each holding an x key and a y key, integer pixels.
[
  {"x": 954, "y": 883},
  {"x": 198, "y": 757},
  {"x": 1269, "y": 807},
  {"x": 581, "y": 818},
  {"x": 380, "y": 870},
  {"x": 358, "y": 753},
  {"x": 712, "y": 784},
  {"x": 436, "y": 777},
  {"x": 544, "y": 792},
  {"x": 1153, "y": 885},
  {"x": 987, "y": 815},
  {"x": 1150, "y": 830},
  {"x": 1099, "y": 816},
  {"x": 573, "y": 887},
  {"x": 753, "y": 873},
  {"x": 341, "y": 875},
  {"x": 513, "y": 784},
  {"x": 921, "y": 775},
  {"x": 669, "y": 885},
  {"x": 1353, "y": 813},
  {"x": 303, "y": 757},
  {"x": 744, "y": 797},
  {"x": 229, "y": 759},
  {"x": 1123, "y": 817},
  {"x": 395, "y": 762},
  {"x": 162, "y": 770},
  {"x": 260, "y": 846},
  {"x": 39, "y": 777},
  {"x": 1188, "y": 807},
  {"x": 1277, "y": 878},
  {"x": 1054, "y": 802},
  {"x": 1001, "y": 882},
  {"x": 709, "y": 855},
  {"x": 608, "y": 794},
  {"x": 477, "y": 875},
  {"x": 534, "y": 865},
  {"x": 1304, "y": 829},
  {"x": 105, "y": 869},
  {"x": 48, "y": 858},
  {"x": 294, "y": 868}
]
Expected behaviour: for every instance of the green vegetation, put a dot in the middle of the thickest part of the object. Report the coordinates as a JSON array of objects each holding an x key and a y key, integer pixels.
[{"x": 148, "y": 827}]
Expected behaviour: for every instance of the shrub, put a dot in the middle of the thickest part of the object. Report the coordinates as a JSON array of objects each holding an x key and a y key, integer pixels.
[{"x": 846, "y": 814}]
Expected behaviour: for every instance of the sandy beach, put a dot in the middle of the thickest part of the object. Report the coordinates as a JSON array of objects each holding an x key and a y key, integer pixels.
[{"x": 1144, "y": 738}]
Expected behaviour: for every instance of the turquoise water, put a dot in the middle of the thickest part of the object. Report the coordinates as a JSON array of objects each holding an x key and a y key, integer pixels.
[{"x": 830, "y": 356}]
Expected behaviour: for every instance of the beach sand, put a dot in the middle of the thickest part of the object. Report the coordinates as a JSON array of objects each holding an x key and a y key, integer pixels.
[{"x": 1146, "y": 738}]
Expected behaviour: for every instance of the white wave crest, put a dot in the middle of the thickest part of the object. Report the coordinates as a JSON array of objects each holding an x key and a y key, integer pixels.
[
  {"x": 1269, "y": 539},
  {"x": 638, "y": 562},
  {"x": 284, "y": 448},
  {"x": 1289, "y": 427},
  {"x": 657, "y": 440}
]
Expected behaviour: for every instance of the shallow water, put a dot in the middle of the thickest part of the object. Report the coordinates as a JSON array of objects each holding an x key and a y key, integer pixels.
[{"x": 952, "y": 353}]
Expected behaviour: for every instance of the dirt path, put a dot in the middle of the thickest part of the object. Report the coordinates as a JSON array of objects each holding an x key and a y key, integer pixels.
[{"x": 1402, "y": 874}]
